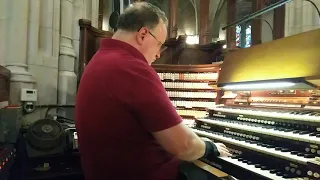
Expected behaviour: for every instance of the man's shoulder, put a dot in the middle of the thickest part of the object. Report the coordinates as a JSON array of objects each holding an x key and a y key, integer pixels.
[{"x": 117, "y": 58}]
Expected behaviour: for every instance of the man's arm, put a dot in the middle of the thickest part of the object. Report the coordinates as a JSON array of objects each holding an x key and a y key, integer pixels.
[
  {"x": 158, "y": 116},
  {"x": 185, "y": 144},
  {"x": 182, "y": 142}
]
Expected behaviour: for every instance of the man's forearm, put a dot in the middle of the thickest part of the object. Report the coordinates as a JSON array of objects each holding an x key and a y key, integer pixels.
[{"x": 196, "y": 148}]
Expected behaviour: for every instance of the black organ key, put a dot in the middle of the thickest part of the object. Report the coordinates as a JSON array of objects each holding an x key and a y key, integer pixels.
[
  {"x": 257, "y": 165},
  {"x": 245, "y": 161},
  {"x": 303, "y": 132},
  {"x": 273, "y": 171},
  {"x": 278, "y": 148},
  {"x": 285, "y": 150},
  {"x": 309, "y": 156},
  {"x": 250, "y": 162},
  {"x": 287, "y": 130},
  {"x": 313, "y": 134},
  {"x": 288, "y": 175},
  {"x": 300, "y": 154},
  {"x": 234, "y": 156},
  {"x": 313, "y": 113},
  {"x": 294, "y": 152},
  {"x": 296, "y": 131}
]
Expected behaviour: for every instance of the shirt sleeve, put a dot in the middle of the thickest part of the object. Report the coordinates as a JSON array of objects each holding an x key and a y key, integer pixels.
[{"x": 149, "y": 100}]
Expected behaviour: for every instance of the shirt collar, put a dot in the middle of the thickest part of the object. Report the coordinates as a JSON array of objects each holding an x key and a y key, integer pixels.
[{"x": 108, "y": 43}]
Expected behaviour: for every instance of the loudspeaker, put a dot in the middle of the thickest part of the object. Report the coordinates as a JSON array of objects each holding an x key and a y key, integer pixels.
[{"x": 10, "y": 123}]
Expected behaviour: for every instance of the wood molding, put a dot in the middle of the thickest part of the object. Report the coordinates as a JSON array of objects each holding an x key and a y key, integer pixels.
[
  {"x": 173, "y": 27},
  {"x": 100, "y": 15},
  {"x": 231, "y": 17},
  {"x": 204, "y": 36},
  {"x": 86, "y": 24},
  {"x": 256, "y": 23},
  {"x": 216, "y": 172},
  {"x": 187, "y": 68},
  {"x": 279, "y": 22}
]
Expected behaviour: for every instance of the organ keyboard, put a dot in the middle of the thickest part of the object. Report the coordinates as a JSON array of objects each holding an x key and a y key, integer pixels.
[{"x": 266, "y": 142}]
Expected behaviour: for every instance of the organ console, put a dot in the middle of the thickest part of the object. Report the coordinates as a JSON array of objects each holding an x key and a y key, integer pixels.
[
  {"x": 273, "y": 131},
  {"x": 267, "y": 142}
]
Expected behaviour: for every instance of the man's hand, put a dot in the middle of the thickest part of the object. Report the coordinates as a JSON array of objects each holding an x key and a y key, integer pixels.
[{"x": 221, "y": 148}]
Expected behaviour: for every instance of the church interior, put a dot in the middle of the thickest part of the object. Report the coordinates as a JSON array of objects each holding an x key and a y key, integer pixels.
[{"x": 245, "y": 73}]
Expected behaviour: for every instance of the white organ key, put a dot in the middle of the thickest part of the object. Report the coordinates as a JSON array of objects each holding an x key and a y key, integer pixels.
[
  {"x": 261, "y": 130},
  {"x": 265, "y": 173},
  {"x": 283, "y": 115},
  {"x": 255, "y": 147}
]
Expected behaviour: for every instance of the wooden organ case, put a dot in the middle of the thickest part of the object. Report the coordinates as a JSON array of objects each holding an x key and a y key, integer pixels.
[
  {"x": 4, "y": 86},
  {"x": 177, "y": 52},
  {"x": 191, "y": 88}
]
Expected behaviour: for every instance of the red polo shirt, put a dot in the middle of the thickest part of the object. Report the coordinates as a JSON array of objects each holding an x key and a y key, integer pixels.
[{"x": 120, "y": 101}]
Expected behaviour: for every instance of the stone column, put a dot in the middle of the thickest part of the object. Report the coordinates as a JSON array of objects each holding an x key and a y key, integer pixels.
[
  {"x": 33, "y": 42},
  {"x": 78, "y": 8},
  {"x": 95, "y": 13},
  {"x": 3, "y": 21},
  {"x": 46, "y": 27},
  {"x": 67, "y": 80},
  {"x": 17, "y": 46},
  {"x": 56, "y": 29}
]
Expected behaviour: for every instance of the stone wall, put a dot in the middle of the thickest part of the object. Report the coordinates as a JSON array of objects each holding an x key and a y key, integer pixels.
[
  {"x": 301, "y": 16},
  {"x": 39, "y": 43}
]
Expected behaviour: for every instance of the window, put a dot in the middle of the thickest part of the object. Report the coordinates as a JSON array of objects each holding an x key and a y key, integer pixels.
[
  {"x": 238, "y": 35},
  {"x": 248, "y": 36},
  {"x": 243, "y": 35}
]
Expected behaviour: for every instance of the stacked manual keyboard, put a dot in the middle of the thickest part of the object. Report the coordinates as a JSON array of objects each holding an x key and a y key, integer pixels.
[{"x": 265, "y": 143}]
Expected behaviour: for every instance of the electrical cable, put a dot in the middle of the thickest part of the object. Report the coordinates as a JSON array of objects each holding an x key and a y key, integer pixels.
[
  {"x": 268, "y": 25},
  {"x": 315, "y": 6},
  {"x": 257, "y": 13}
]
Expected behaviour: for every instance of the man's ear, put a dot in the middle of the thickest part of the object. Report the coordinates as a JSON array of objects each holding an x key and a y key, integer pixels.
[{"x": 141, "y": 34}]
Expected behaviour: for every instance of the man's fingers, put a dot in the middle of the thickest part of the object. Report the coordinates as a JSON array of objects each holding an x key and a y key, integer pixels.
[
  {"x": 223, "y": 149},
  {"x": 224, "y": 154},
  {"x": 221, "y": 145}
]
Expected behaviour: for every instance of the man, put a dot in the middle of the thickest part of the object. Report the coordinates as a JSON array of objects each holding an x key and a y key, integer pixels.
[{"x": 126, "y": 124}]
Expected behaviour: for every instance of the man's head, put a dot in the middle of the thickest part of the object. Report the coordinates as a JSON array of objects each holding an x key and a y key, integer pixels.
[{"x": 143, "y": 25}]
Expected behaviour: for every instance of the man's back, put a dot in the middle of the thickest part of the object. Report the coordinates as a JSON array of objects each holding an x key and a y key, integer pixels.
[{"x": 120, "y": 101}]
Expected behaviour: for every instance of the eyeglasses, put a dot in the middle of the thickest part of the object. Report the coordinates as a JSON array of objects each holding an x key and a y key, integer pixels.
[
  {"x": 155, "y": 38},
  {"x": 163, "y": 47}
]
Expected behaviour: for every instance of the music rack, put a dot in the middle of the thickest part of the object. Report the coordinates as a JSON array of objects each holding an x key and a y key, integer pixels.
[{"x": 191, "y": 88}]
